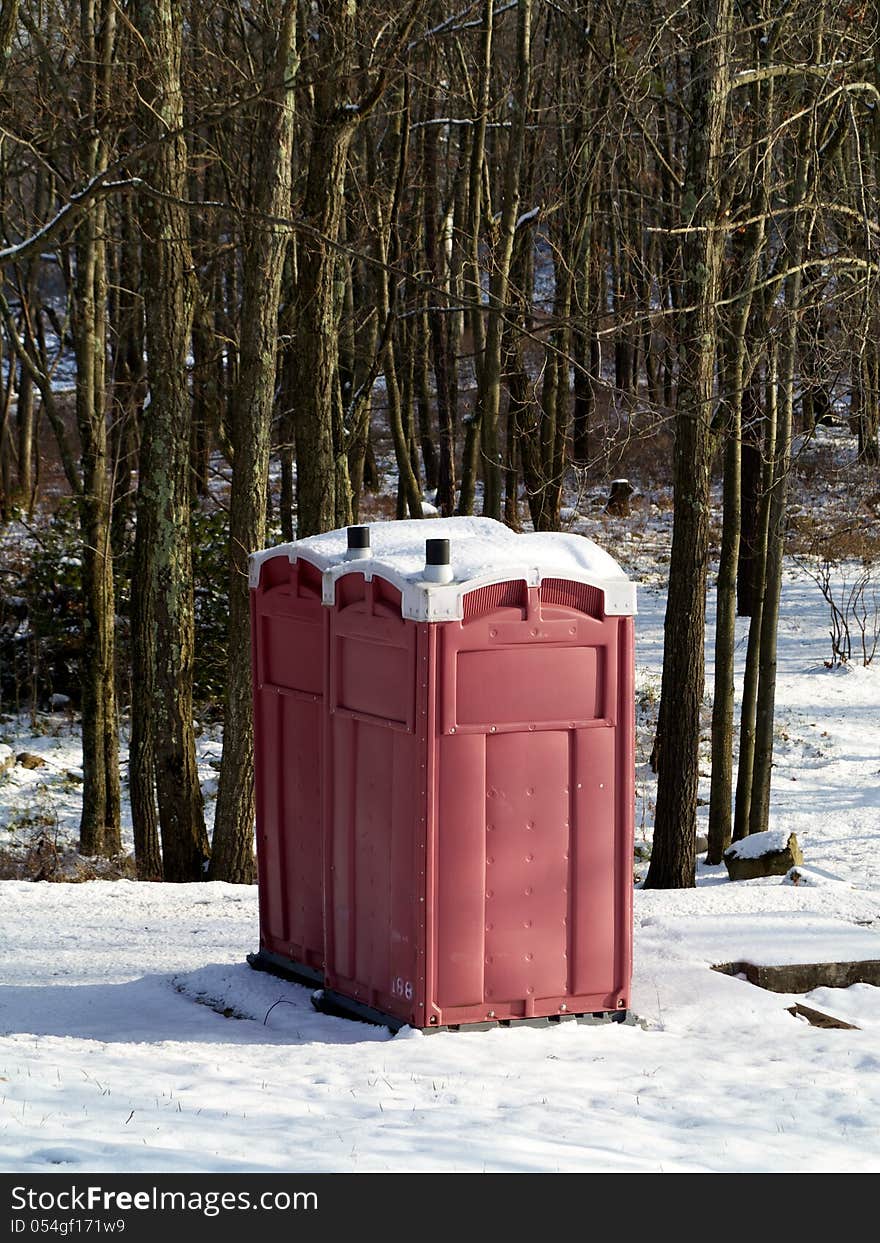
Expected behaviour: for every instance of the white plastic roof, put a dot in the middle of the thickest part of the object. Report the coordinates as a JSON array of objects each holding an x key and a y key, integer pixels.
[{"x": 482, "y": 551}]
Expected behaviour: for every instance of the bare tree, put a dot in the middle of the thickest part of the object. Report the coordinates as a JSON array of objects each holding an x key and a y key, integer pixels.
[
  {"x": 672, "y": 859},
  {"x": 251, "y": 418},
  {"x": 162, "y": 754},
  {"x": 336, "y": 111}
]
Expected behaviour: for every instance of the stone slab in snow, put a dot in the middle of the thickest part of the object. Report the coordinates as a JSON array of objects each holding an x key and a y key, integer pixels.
[
  {"x": 758, "y": 844},
  {"x": 773, "y": 853},
  {"x": 27, "y": 759},
  {"x": 805, "y": 976}
]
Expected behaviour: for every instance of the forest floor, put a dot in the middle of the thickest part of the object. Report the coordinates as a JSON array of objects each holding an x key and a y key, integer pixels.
[{"x": 133, "y": 1036}]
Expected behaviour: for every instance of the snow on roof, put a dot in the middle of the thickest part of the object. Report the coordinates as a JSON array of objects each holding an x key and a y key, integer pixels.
[{"x": 482, "y": 551}]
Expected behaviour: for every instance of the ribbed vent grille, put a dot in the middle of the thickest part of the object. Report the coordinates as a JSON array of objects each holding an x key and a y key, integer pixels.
[
  {"x": 495, "y": 596},
  {"x": 580, "y": 596}
]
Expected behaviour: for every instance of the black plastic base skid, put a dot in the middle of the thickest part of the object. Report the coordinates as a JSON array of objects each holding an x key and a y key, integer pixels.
[
  {"x": 286, "y": 968},
  {"x": 328, "y": 1002},
  {"x": 602, "y": 1017}
]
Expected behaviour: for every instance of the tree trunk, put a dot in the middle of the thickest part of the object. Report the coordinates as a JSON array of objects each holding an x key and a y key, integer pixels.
[
  {"x": 316, "y": 346},
  {"x": 672, "y": 859},
  {"x": 409, "y": 496},
  {"x": 472, "y": 280},
  {"x": 324, "y": 487},
  {"x": 747, "y": 586},
  {"x": 127, "y": 344},
  {"x": 720, "y": 808},
  {"x": 321, "y": 460},
  {"x": 232, "y": 857},
  {"x": 747, "y": 250},
  {"x": 489, "y": 392},
  {"x": 8, "y": 27},
  {"x": 869, "y": 403},
  {"x": 422, "y": 357},
  {"x": 100, "y": 832},
  {"x": 164, "y": 623},
  {"x": 438, "y": 321},
  {"x": 804, "y": 175},
  {"x": 759, "y": 809},
  {"x": 764, "y": 488},
  {"x": 25, "y": 415}
]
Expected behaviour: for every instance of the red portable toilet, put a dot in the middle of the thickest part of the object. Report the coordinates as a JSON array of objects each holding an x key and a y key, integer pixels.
[{"x": 444, "y": 735}]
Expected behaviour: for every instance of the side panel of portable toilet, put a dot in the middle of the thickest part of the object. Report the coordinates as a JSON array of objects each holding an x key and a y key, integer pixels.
[
  {"x": 287, "y": 625},
  {"x": 374, "y": 810},
  {"x": 531, "y": 826}
]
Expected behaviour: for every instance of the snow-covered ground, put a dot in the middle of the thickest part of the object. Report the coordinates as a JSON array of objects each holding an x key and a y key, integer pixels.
[
  {"x": 133, "y": 1036},
  {"x": 45, "y": 802}
]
